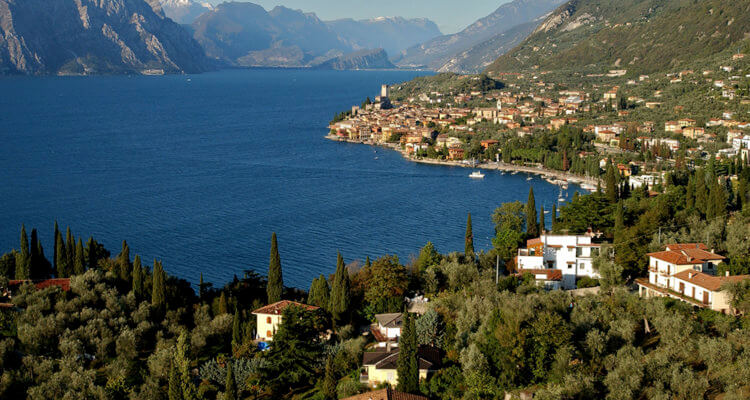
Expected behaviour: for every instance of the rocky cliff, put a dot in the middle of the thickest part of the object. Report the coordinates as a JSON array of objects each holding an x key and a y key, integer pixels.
[{"x": 81, "y": 37}]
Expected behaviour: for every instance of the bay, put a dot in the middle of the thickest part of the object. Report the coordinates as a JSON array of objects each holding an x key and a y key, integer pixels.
[{"x": 199, "y": 170}]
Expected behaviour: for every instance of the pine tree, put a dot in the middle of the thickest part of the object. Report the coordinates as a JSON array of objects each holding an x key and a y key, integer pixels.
[
  {"x": 138, "y": 286},
  {"x": 340, "y": 296},
  {"x": 174, "y": 391},
  {"x": 275, "y": 281},
  {"x": 329, "y": 380},
  {"x": 92, "y": 257},
  {"x": 469, "y": 240},
  {"x": 407, "y": 368},
  {"x": 62, "y": 270},
  {"x": 230, "y": 387},
  {"x": 80, "y": 264},
  {"x": 158, "y": 291},
  {"x": 532, "y": 226},
  {"x": 24, "y": 261},
  {"x": 542, "y": 228},
  {"x": 237, "y": 330},
  {"x": 123, "y": 262}
]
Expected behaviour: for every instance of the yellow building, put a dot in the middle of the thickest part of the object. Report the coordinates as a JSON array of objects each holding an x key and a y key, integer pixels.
[
  {"x": 268, "y": 318},
  {"x": 380, "y": 366}
]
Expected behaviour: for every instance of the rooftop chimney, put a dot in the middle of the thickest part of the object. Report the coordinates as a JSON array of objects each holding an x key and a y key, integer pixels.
[{"x": 690, "y": 275}]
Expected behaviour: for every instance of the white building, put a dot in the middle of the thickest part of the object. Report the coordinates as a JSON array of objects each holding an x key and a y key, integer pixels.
[
  {"x": 571, "y": 255},
  {"x": 687, "y": 272},
  {"x": 389, "y": 326}
]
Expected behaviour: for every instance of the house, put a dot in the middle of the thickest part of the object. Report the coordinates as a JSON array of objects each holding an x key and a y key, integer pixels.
[
  {"x": 456, "y": 153},
  {"x": 380, "y": 366},
  {"x": 570, "y": 255},
  {"x": 268, "y": 318},
  {"x": 692, "y": 132},
  {"x": 687, "y": 272},
  {"x": 490, "y": 142},
  {"x": 62, "y": 283},
  {"x": 387, "y": 327},
  {"x": 386, "y": 394},
  {"x": 672, "y": 126}
]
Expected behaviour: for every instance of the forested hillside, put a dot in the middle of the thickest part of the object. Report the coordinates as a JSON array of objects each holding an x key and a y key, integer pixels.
[{"x": 642, "y": 36}]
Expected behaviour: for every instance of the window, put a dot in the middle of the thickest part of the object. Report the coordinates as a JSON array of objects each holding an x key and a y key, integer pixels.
[
  {"x": 570, "y": 266},
  {"x": 268, "y": 320},
  {"x": 269, "y": 334}
]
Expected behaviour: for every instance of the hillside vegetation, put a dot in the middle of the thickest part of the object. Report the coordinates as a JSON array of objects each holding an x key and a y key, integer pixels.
[{"x": 642, "y": 36}]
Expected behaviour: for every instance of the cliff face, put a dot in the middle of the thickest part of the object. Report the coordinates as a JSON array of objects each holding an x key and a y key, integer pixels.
[
  {"x": 93, "y": 37},
  {"x": 364, "y": 59}
]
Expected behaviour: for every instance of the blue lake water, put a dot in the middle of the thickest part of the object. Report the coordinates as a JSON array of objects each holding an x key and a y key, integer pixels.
[{"x": 197, "y": 171}]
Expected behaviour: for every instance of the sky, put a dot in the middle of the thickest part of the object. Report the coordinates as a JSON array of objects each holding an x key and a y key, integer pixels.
[{"x": 451, "y": 16}]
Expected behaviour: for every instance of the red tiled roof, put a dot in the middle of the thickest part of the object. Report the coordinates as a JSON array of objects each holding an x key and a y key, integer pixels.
[
  {"x": 685, "y": 254},
  {"x": 551, "y": 274},
  {"x": 427, "y": 357},
  {"x": 279, "y": 307},
  {"x": 386, "y": 394},
  {"x": 63, "y": 283},
  {"x": 533, "y": 242},
  {"x": 706, "y": 281}
]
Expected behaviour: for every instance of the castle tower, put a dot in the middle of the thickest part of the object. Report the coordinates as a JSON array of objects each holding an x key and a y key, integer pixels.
[{"x": 384, "y": 91}]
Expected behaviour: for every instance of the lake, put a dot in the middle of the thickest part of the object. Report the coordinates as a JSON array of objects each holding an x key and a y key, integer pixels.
[{"x": 199, "y": 170}]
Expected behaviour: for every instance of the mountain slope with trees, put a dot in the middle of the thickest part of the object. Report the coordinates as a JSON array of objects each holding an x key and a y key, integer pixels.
[{"x": 642, "y": 36}]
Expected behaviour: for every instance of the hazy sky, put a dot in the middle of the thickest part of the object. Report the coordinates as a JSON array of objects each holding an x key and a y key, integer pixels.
[{"x": 450, "y": 15}]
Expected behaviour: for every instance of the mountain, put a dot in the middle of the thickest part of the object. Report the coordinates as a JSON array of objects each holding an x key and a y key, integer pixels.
[
  {"x": 363, "y": 59},
  {"x": 184, "y": 11},
  {"x": 245, "y": 34},
  {"x": 480, "y": 56},
  {"x": 40, "y": 37},
  {"x": 436, "y": 53},
  {"x": 642, "y": 36},
  {"x": 393, "y": 34}
]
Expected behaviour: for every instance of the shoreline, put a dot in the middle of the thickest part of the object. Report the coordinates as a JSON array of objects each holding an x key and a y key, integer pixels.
[{"x": 497, "y": 166}]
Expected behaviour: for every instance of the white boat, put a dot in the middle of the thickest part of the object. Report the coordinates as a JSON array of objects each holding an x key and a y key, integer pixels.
[
  {"x": 529, "y": 178},
  {"x": 514, "y": 172},
  {"x": 476, "y": 175}
]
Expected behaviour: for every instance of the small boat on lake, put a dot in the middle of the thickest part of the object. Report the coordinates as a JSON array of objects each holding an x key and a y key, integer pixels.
[
  {"x": 476, "y": 175},
  {"x": 529, "y": 178}
]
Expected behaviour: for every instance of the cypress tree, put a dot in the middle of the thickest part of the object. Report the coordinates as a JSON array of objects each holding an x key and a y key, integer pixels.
[
  {"x": 532, "y": 226},
  {"x": 138, "y": 286},
  {"x": 174, "y": 391},
  {"x": 182, "y": 359},
  {"x": 340, "y": 292},
  {"x": 236, "y": 329},
  {"x": 554, "y": 217},
  {"x": 611, "y": 185},
  {"x": 690, "y": 194},
  {"x": 329, "y": 380},
  {"x": 320, "y": 294},
  {"x": 158, "y": 291},
  {"x": 407, "y": 368},
  {"x": 80, "y": 265},
  {"x": 368, "y": 263},
  {"x": 24, "y": 261},
  {"x": 701, "y": 192},
  {"x": 92, "y": 257},
  {"x": 223, "y": 304},
  {"x": 123, "y": 262},
  {"x": 35, "y": 262},
  {"x": 469, "y": 239},
  {"x": 230, "y": 387},
  {"x": 201, "y": 288},
  {"x": 70, "y": 252},
  {"x": 541, "y": 221},
  {"x": 275, "y": 280},
  {"x": 54, "y": 256},
  {"x": 62, "y": 270}
]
